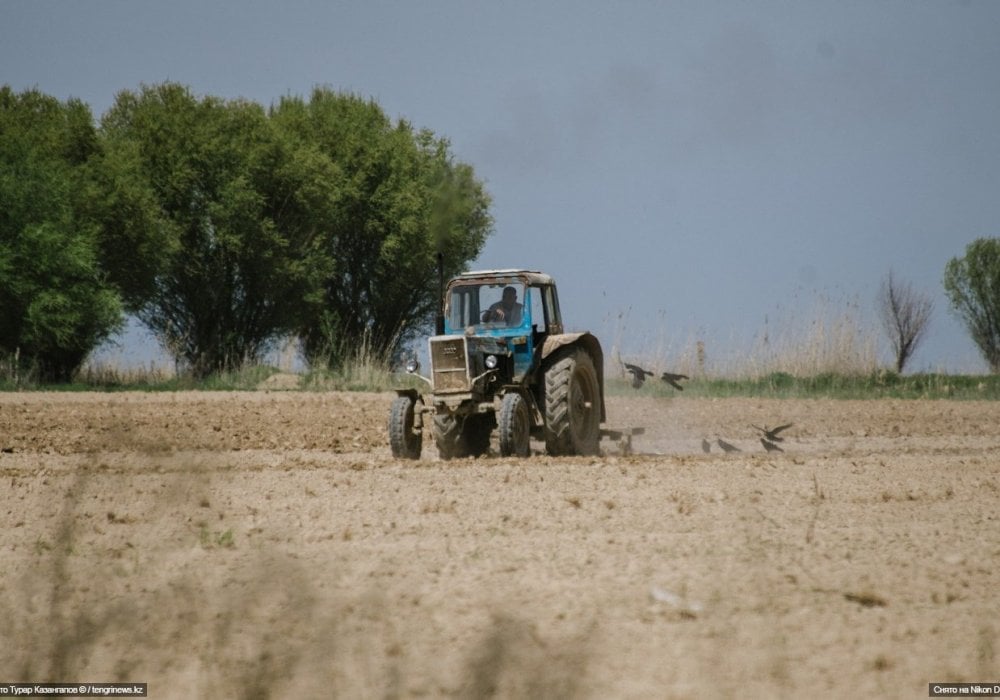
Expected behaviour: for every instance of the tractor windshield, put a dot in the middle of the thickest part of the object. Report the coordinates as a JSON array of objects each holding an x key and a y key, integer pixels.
[{"x": 498, "y": 304}]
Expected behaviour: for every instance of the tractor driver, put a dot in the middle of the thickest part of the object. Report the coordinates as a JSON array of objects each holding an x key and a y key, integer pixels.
[{"x": 507, "y": 309}]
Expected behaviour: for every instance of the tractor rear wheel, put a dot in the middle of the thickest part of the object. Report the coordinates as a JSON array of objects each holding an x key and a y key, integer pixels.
[
  {"x": 572, "y": 405},
  {"x": 405, "y": 443},
  {"x": 515, "y": 426}
]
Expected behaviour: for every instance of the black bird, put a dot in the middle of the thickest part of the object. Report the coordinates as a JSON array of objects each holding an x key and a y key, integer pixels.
[
  {"x": 770, "y": 446},
  {"x": 726, "y": 447},
  {"x": 772, "y": 434},
  {"x": 672, "y": 379},
  {"x": 706, "y": 446},
  {"x": 638, "y": 374}
]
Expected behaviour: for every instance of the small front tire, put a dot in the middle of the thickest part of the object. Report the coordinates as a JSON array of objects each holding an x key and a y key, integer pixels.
[
  {"x": 515, "y": 426},
  {"x": 404, "y": 441}
]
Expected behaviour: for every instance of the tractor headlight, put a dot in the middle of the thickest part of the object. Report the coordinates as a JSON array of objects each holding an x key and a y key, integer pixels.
[
  {"x": 412, "y": 365},
  {"x": 491, "y": 362}
]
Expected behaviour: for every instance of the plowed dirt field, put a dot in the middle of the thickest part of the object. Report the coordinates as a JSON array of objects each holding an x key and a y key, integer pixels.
[{"x": 267, "y": 544}]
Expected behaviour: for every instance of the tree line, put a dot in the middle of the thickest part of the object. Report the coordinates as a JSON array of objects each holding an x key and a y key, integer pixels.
[{"x": 224, "y": 226}]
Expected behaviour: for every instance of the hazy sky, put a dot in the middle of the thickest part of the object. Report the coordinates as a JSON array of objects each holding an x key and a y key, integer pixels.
[{"x": 686, "y": 170}]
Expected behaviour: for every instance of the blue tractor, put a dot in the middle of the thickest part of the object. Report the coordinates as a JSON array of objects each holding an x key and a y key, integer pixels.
[{"x": 502, "y": 360}]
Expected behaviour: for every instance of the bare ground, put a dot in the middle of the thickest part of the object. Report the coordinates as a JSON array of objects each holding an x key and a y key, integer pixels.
[{"x": 267, "y": 544}]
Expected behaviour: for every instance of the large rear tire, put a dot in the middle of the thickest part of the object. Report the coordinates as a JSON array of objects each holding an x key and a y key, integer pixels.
[
  {"x": 515, "y": 426},
  {"x": 572, "y": 405},
  {"x": 403, "y": 440}
]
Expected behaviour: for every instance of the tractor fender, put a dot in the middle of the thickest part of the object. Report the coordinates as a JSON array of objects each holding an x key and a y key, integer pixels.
[
  {"x": 589, "y": 343},
  {"x": 412, "y": 393},
  {"x": 536, "y": 413},
  {"x": 419, "y": 408}
]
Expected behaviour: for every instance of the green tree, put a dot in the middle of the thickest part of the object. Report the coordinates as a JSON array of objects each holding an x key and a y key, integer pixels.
[
  {"x": 972, "y": 284},
  {"x": 398, "y": 199},
  {"x": 56, "y": 304},
  {"x": 221, "y": 208}
]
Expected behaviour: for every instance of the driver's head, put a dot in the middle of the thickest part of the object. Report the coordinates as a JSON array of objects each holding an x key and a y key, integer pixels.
[{"x": 509, "y": 295}]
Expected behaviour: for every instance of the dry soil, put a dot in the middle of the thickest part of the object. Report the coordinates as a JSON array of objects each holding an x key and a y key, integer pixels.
[{"x": 267, "y": 544}]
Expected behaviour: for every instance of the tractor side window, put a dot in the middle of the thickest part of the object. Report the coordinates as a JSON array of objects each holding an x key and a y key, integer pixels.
[
  {"x": 552, "y": 307},
  {"x": 535, "y": 308}
]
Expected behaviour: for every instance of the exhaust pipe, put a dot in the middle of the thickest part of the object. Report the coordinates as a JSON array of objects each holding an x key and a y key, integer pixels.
[{"x": 439, "y": 321}]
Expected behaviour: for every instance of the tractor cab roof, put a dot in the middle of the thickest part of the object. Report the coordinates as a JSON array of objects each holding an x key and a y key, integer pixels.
[{"x": 531, "y": 277}]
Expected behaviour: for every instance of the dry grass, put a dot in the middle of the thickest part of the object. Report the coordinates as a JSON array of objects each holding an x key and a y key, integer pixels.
[
  {"x": 827, "y": 342},
  {"x": 101, "y": 373},
  {"x": 831, "y": 337}
]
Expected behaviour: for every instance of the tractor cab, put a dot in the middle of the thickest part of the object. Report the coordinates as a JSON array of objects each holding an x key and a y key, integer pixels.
[{"x": 517, "y": 308}]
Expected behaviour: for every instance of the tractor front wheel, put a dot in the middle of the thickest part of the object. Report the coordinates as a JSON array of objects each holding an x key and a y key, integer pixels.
[
  {"x": 403, "y": 440},
  {"x": 515, "y": 426}
]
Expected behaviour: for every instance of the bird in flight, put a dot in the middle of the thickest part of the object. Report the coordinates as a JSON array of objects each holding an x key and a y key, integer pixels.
[
  {"x": 638, "y": 374},
  {"x": 726, "y": 447},
  {"x": 770, "y": 446},
  {"x": 772, "y": 433},
  {"x": 673, "y": 379}
]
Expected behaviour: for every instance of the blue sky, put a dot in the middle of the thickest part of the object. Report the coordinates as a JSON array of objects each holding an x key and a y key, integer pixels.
[{"x": 686, "y": 170}]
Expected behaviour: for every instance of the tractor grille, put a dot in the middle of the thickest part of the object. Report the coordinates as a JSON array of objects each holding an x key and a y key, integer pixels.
[{"x": 450, "y": 365}]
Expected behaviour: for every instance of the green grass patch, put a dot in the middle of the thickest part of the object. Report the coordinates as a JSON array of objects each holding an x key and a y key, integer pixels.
[
  {"x": 248, "y": 378},
  {"x": 826, "y": 385},
  {"x": 367, "y": 374}
]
